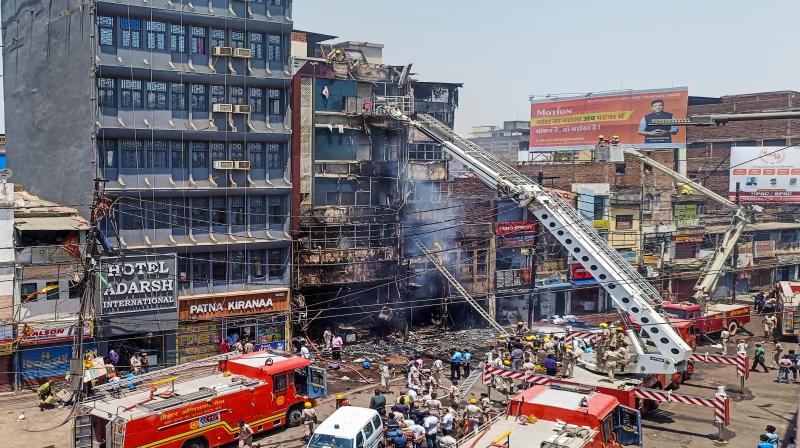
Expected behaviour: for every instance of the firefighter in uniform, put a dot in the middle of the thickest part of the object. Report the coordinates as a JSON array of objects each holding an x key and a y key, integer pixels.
[
  {"x": 486, "y": 405},
  {"x": 473, "y": 415},
  {"x": 600, "y": 345},
  {"x": 569, "y": 360},
  {"x": 309, "y": 419},
  {"x": 612, "y": 361}
]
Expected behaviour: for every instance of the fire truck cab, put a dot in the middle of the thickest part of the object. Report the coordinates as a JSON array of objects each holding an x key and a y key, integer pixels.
[
  {"x": 718, "y": 316},
  {"x": 265, "y": 390},
  {"x": 788, "y": 307},
  {"x": 562, "y": 416}
]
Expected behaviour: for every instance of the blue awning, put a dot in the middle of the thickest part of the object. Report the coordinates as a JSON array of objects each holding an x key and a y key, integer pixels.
[
  {"x": 590, "y": 281},
  {"x": 554, "y": 286}
]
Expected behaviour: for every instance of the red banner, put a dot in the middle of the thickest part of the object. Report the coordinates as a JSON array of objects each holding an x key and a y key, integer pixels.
[
  {"x": 515, "y": 228},
  {"x": 579, "y": 272}
]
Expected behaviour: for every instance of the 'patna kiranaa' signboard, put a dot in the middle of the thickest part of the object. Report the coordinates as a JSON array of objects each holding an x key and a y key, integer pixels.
[{"x": 138, "y": 284}]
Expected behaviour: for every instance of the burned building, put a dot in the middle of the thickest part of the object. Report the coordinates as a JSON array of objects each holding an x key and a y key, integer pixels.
[{"x": 357, "y": 172}]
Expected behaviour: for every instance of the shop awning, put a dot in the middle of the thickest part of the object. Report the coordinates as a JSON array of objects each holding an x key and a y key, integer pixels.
[
  {"x": 54, "y": 223},
  {"x": 590, "y": 281},
  {"x": 554, "y": 286}
]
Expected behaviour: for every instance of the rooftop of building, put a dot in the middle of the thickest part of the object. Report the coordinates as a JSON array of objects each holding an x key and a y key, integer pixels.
[{"x": 34, "y": 213}]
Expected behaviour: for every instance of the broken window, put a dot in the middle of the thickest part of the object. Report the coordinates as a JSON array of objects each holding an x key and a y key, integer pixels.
[
  {"x": 277, "y": 263},
  {"x": 219, "y": 268}
]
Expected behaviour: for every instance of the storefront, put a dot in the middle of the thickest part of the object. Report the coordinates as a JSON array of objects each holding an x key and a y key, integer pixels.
[
  {"x": 137, "y": 299},
  {"x": 587, "y": 296},
  {"x": 258, "y": 316},
  {"x": 45, "y": 350},
  {"x": 6, "y": 358}
]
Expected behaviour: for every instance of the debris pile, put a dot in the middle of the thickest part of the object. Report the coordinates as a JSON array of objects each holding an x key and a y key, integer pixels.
[{"x": 426, "y": 342}]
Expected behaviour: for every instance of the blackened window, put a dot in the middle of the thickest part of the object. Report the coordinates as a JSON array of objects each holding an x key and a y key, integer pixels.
[
  {"x": 132, "y": 154},
  {"x": 257, "y": 263},
  {"x": 217, "y": 38},
  {"x": 256, "y": 100},
  {"x": 183, "y": 272},
  {"x": 52, "y": 290},
  {"x": 178, "y": 96},
  {"x": 130, "y": 94},
  {"x": 219, "y": 212},
  {"x": 275, "y": 156},
  {"x": 157, "y": 157},
  {"x": 275, "y": 102},
  {"x": 180, "y": 213},
  {"x": 179, "y": 155},
  {"x": 237, "y": 211},
  {"x": 237, "y": 95},
  {"x": 107, "y": 92},
  {"x": 237, "y": 151},
  {"x": 219, "y": 268},
  {"x": 277, "y": 263},
  {"x": 237, "y": 39},
  {"x": 157, "y": 95},
  {"x": 276, "y": 214},
  {"x": 258, "y": 210},
  {"x": 217, "y": 151},
  {"x": 238, "y": 266},
  {"x": 200, "y": 213},
  {"x": 200, "y": 270},
  {"x": 199, "y": 98},
  {"x": 130, "y": 216},
  {"x": 156, "y": 35},
  {"x": 217, "y": 94},
  {"x": 131, "y": 33},
  {"x": 106, "y": 30},
  {"x": 198, "y": 40},
  {"x": 256, "y": 155},
  {"x": 274, "y": 47},
  {"x": 177, "y": 38},
  {"x": 108, "y": 153},
  {"x": 256, "y": 45},
  {"x": 199, "y": 155}
]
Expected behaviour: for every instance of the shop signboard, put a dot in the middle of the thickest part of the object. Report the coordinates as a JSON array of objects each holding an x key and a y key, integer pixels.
[
  {"x": 515, "y": 234},
  {"x": 6, "y": 339},
  {"x": 691, "y": 238},
  {"x": 578, "y": 272},
  {"x": 575, "y": 122},
  {"x": 138, "y": 284},
  {"x": 47, "y": 362},
  {"x": 214, "y": 306},
  {"x": 764, "y": 249},
  {"x": 765, "y": 174},
  {"x": 36, "y": 333}
]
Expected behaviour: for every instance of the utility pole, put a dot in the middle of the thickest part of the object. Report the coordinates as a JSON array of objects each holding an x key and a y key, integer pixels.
[
  {"x": 735, "y": 259},
  {"x": 533, "y": 264}
]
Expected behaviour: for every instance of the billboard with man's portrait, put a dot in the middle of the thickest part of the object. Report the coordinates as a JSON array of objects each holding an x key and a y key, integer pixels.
[{"x": 564, "y": 123}]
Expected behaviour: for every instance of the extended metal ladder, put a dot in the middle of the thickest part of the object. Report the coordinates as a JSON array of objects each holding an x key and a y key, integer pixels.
[
  {"x": 470, "y": 381},
  {"x": 82, "y": 431},
  {"x": 455, "y": 284}
]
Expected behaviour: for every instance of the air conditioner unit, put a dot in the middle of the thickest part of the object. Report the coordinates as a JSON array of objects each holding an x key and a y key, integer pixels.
[
  {"x": 241, "y": 109},
  {"x": 242, "y": 53},
  {"x": 221, "y": 51},
  {"x": 242, "y": 164},
  {"x": 224, "y": 165},
  {"x": 221, "y": 107}
]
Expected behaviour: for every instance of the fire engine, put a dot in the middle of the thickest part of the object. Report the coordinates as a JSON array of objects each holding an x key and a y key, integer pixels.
[
  {"x": 560, "y": 415},
  {"x": 158, "y": 410},
  {"x": 715, "y": 318},
  {"x": 788, "y": 307}
]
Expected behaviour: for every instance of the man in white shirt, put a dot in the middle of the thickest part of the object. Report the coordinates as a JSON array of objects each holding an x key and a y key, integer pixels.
[
  {"x": 412, "y": 394},
  {"x": 431, "y": 425},
  {"x": 724, "y": 336},
  {"x": 447, "y": 421},
  {"x": 305, "y": 352}
]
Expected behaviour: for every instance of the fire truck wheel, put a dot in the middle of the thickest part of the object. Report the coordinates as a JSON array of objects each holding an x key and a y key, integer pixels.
[
  {"x": 199, "y": 442},
  {"x": 733, "y": 327},
  {"x": 294, "y": 416}
]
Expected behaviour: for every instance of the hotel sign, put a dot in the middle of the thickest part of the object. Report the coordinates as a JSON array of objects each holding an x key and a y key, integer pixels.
[{"x": 138, "y": 284}]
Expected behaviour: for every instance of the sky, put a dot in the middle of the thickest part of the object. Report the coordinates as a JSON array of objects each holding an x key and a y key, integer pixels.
[{"x": 506, "y": 50}]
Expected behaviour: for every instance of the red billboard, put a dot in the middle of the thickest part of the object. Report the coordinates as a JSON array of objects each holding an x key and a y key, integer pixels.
[
  {"x": 576, "y": 122},
  {"x": 515, "y": 234}
]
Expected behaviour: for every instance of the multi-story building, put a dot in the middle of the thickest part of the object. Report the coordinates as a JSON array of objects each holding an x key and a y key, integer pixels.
[{"x": 181, "y": 110}]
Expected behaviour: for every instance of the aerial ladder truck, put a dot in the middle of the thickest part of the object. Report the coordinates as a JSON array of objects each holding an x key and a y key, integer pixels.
[{"x": 666, "y": 353}]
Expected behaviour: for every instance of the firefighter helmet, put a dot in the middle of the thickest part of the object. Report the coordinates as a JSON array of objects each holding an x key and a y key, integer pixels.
[
  {"x": 307, "y": 404},
  {"x": 603, "y": 325},
  {"x": 473, "y": 401}
]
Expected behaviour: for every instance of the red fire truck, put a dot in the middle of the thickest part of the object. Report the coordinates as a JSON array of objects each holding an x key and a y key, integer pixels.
[
  {"x": 788, "y": 307},
  {"x": 717, "y": 317},
  {"x": 264, "y": 389},
  {"x": 560, "y": 415}
]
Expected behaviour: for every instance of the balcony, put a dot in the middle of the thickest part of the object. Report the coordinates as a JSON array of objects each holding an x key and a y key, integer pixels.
[
  {"x": 42, "y": 255},
  {"x": 168, "y": 123},
  {"x": 166, "y": 179}
]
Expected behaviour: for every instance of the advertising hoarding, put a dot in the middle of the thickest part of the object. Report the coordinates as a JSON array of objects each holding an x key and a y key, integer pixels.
[
  {"x": 138, "y": 284},
  {"x": 36, "y": 333},
  {"x": 576, "y": 122},
  {"x": 515, "y": 234},
  {"x": 765, "y": 174}
]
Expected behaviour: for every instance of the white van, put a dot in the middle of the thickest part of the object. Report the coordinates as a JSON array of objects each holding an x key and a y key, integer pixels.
[{"x": 349, "y": 427}]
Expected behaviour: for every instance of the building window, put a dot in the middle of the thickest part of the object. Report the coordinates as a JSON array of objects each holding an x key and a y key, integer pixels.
[
  {"x": 276, "y": 2},
  {"x": 648, "y": 203},
  {"x": 256, "y": 45},
  {"x": 685, "y": 251},
  {"x": 200, "y": 213},
  {"x": 130, "y": 94},
  {"x": 199, "y": 155},
  {"x": 424, "y": 151},
  {"x": 177, "y": 38},
  {"x": 179, "y": 155},
  {"x": 178, "y": 99},
  {"x": 237, "y": 211},
  {"x": 219, "y": 268},
  {"x": 236, "y": 151},
  {"x": 200, "y": 270},
  {"x": 258, "y": 211},
  {"x": 106, "y": 30},
  {"x": 198, "y": 40},
  {"x": 158, "y": 215},
  {"x": 75, "y": 289},
  {"x": 624, "y": 222},
  {"x": 274, "y": 48},
  {"x": 199, "y": 98},
  {"x": 183, "y": 272},
  {"x": 256, "y": 155},
  {"x": 131, "y": 33},
  {"x": 157, "y": 157},
  {"x": 275, "y": 157},
  {"x": 774, "y": 142},
  {"x": 275, "y": 102},
  {"x": 131, "y": 151},
  {"x": 599, "y": 207},
  {"x": 108, "y": 153},
  {"x": 107, "y": 92},
  {"x": 52, "y": 290},
  {"x": 238, "y": 266},
  {"x": 256, "y": 100},
  {"x": 256, "y": 264},
  {"x": 217, "y": 94},
  {"x": 217, "y": 151},
  {"x": 27, "y": 289},
  {"x": 277, "y": 263},
  {"x": 217, "y": 38},
  {"x": 180, "y": 213},
  {"x": 619, "y": 169},
  {"x": 219, "y": 212},
  {"x": 276, "y": 215},
  {"x": 746, "y": 143},
  {"x": 130, "y": 217},
  {"x": 156, "y": 35},
  {"x": 237, "y": 95},
  {"x": 237, "y": 39},
  {"x": 157, "y": 95}
]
